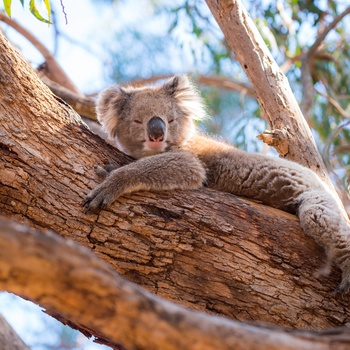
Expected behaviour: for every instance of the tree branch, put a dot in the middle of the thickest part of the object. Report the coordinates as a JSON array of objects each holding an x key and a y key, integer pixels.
[
  {"x": 322, "y": 36},
  {"x": 84, "y": 106},
  {"x": 271, "y": 86},
  {"x": 217, "y": 81},
  {"x": 63, "y": 277}
]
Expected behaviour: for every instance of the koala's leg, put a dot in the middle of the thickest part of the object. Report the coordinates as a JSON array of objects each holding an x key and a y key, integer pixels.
[
  {"x": 321, "y": 218},
  {"x": 166, "y": 171}
]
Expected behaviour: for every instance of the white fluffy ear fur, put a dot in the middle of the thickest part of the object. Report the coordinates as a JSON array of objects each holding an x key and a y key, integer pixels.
[
  {"x": 187, "y": 96},
  {"x": 109, "y": 105}
]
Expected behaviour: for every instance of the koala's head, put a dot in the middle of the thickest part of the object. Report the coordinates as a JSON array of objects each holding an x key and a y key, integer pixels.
[{"x": 149, "y": 120}]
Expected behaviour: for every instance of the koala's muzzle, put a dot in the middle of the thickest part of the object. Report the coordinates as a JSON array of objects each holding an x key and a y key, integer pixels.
[{"x": 156, "y": 129}]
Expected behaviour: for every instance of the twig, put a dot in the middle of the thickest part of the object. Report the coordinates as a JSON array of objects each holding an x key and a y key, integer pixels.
[
  {"x": 64, "y": 12},
  {"x": 307, "y": 84},
  {"x": 321, "y": 37},
  {"x": 335, "y": 104}
]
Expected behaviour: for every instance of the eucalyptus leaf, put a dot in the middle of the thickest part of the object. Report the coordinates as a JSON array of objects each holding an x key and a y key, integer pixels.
[
  {"x": 48, "y": 7},
  {"x": 35, "y": 12},
  {"x": 7, "y": 6}
]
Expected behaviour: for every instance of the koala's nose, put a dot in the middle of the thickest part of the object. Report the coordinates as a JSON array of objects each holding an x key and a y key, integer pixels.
[{"x": 156, "y": 129}]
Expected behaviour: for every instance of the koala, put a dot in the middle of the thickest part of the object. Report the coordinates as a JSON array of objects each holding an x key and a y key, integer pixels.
[{"x": 156, "y": 126}]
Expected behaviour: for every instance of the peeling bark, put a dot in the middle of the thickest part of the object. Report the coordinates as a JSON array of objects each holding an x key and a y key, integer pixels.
[{"x": 276, "y": 138}]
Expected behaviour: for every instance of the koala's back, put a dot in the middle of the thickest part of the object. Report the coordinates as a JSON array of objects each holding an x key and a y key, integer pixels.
[{"x": 273, "y": 181}]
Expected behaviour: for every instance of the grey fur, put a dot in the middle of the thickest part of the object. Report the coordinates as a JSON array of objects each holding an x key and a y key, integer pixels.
[{"x": 185, "y": 159}]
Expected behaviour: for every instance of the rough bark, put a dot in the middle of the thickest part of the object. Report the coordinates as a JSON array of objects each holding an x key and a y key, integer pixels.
[
  {"x": 72, "y": 281},
  {"x": 205, "y": 249},
  {"x": 9, "y": 340},
  {"x": 271, "y": 86}
]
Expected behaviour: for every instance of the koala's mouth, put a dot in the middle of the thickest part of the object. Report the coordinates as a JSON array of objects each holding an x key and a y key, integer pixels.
[{"x": 154, "y": 146}]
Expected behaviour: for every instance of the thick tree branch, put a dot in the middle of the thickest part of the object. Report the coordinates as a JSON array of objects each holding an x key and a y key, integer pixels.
[
  {"x": 84, "y": 106},
  {"x": 66, "y": 278}
]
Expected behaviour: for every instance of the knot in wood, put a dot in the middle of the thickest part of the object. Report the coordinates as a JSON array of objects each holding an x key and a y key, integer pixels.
[{"x": 277, "y": 138}]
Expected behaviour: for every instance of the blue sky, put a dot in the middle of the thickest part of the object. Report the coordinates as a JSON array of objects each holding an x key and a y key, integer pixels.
[{"x": 84, "y": 66}]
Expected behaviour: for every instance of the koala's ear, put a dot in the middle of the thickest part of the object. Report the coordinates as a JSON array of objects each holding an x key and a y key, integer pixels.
[
  {"x": 177, "y": 83},
  {"x": 110, "y": 105},
  {"x": 181, "y": 88}
]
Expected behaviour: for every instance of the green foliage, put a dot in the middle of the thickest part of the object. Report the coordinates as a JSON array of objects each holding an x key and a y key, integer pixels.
[
  {"x": 7, "y": 7},
  {"x": 35, "y": 12},
  {"x": 33, "y": 9}
]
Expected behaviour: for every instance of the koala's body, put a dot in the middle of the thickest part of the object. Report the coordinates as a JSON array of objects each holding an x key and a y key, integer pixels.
[{"x": 156, "y": 126}]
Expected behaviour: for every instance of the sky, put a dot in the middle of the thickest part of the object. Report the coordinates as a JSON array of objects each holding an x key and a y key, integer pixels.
[{"x": 83, "y": 64}]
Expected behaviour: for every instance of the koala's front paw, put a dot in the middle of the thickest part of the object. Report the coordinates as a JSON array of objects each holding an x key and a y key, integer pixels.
[{"x": 101, "y": 197}]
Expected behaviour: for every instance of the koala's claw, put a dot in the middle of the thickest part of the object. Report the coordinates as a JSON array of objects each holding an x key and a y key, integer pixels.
[
  {"x": 90, "y": 205},
  {"x": 101, "y": 197},
  {"x": 104, "y": 194},
  {"x": 94, "y": 203}
]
